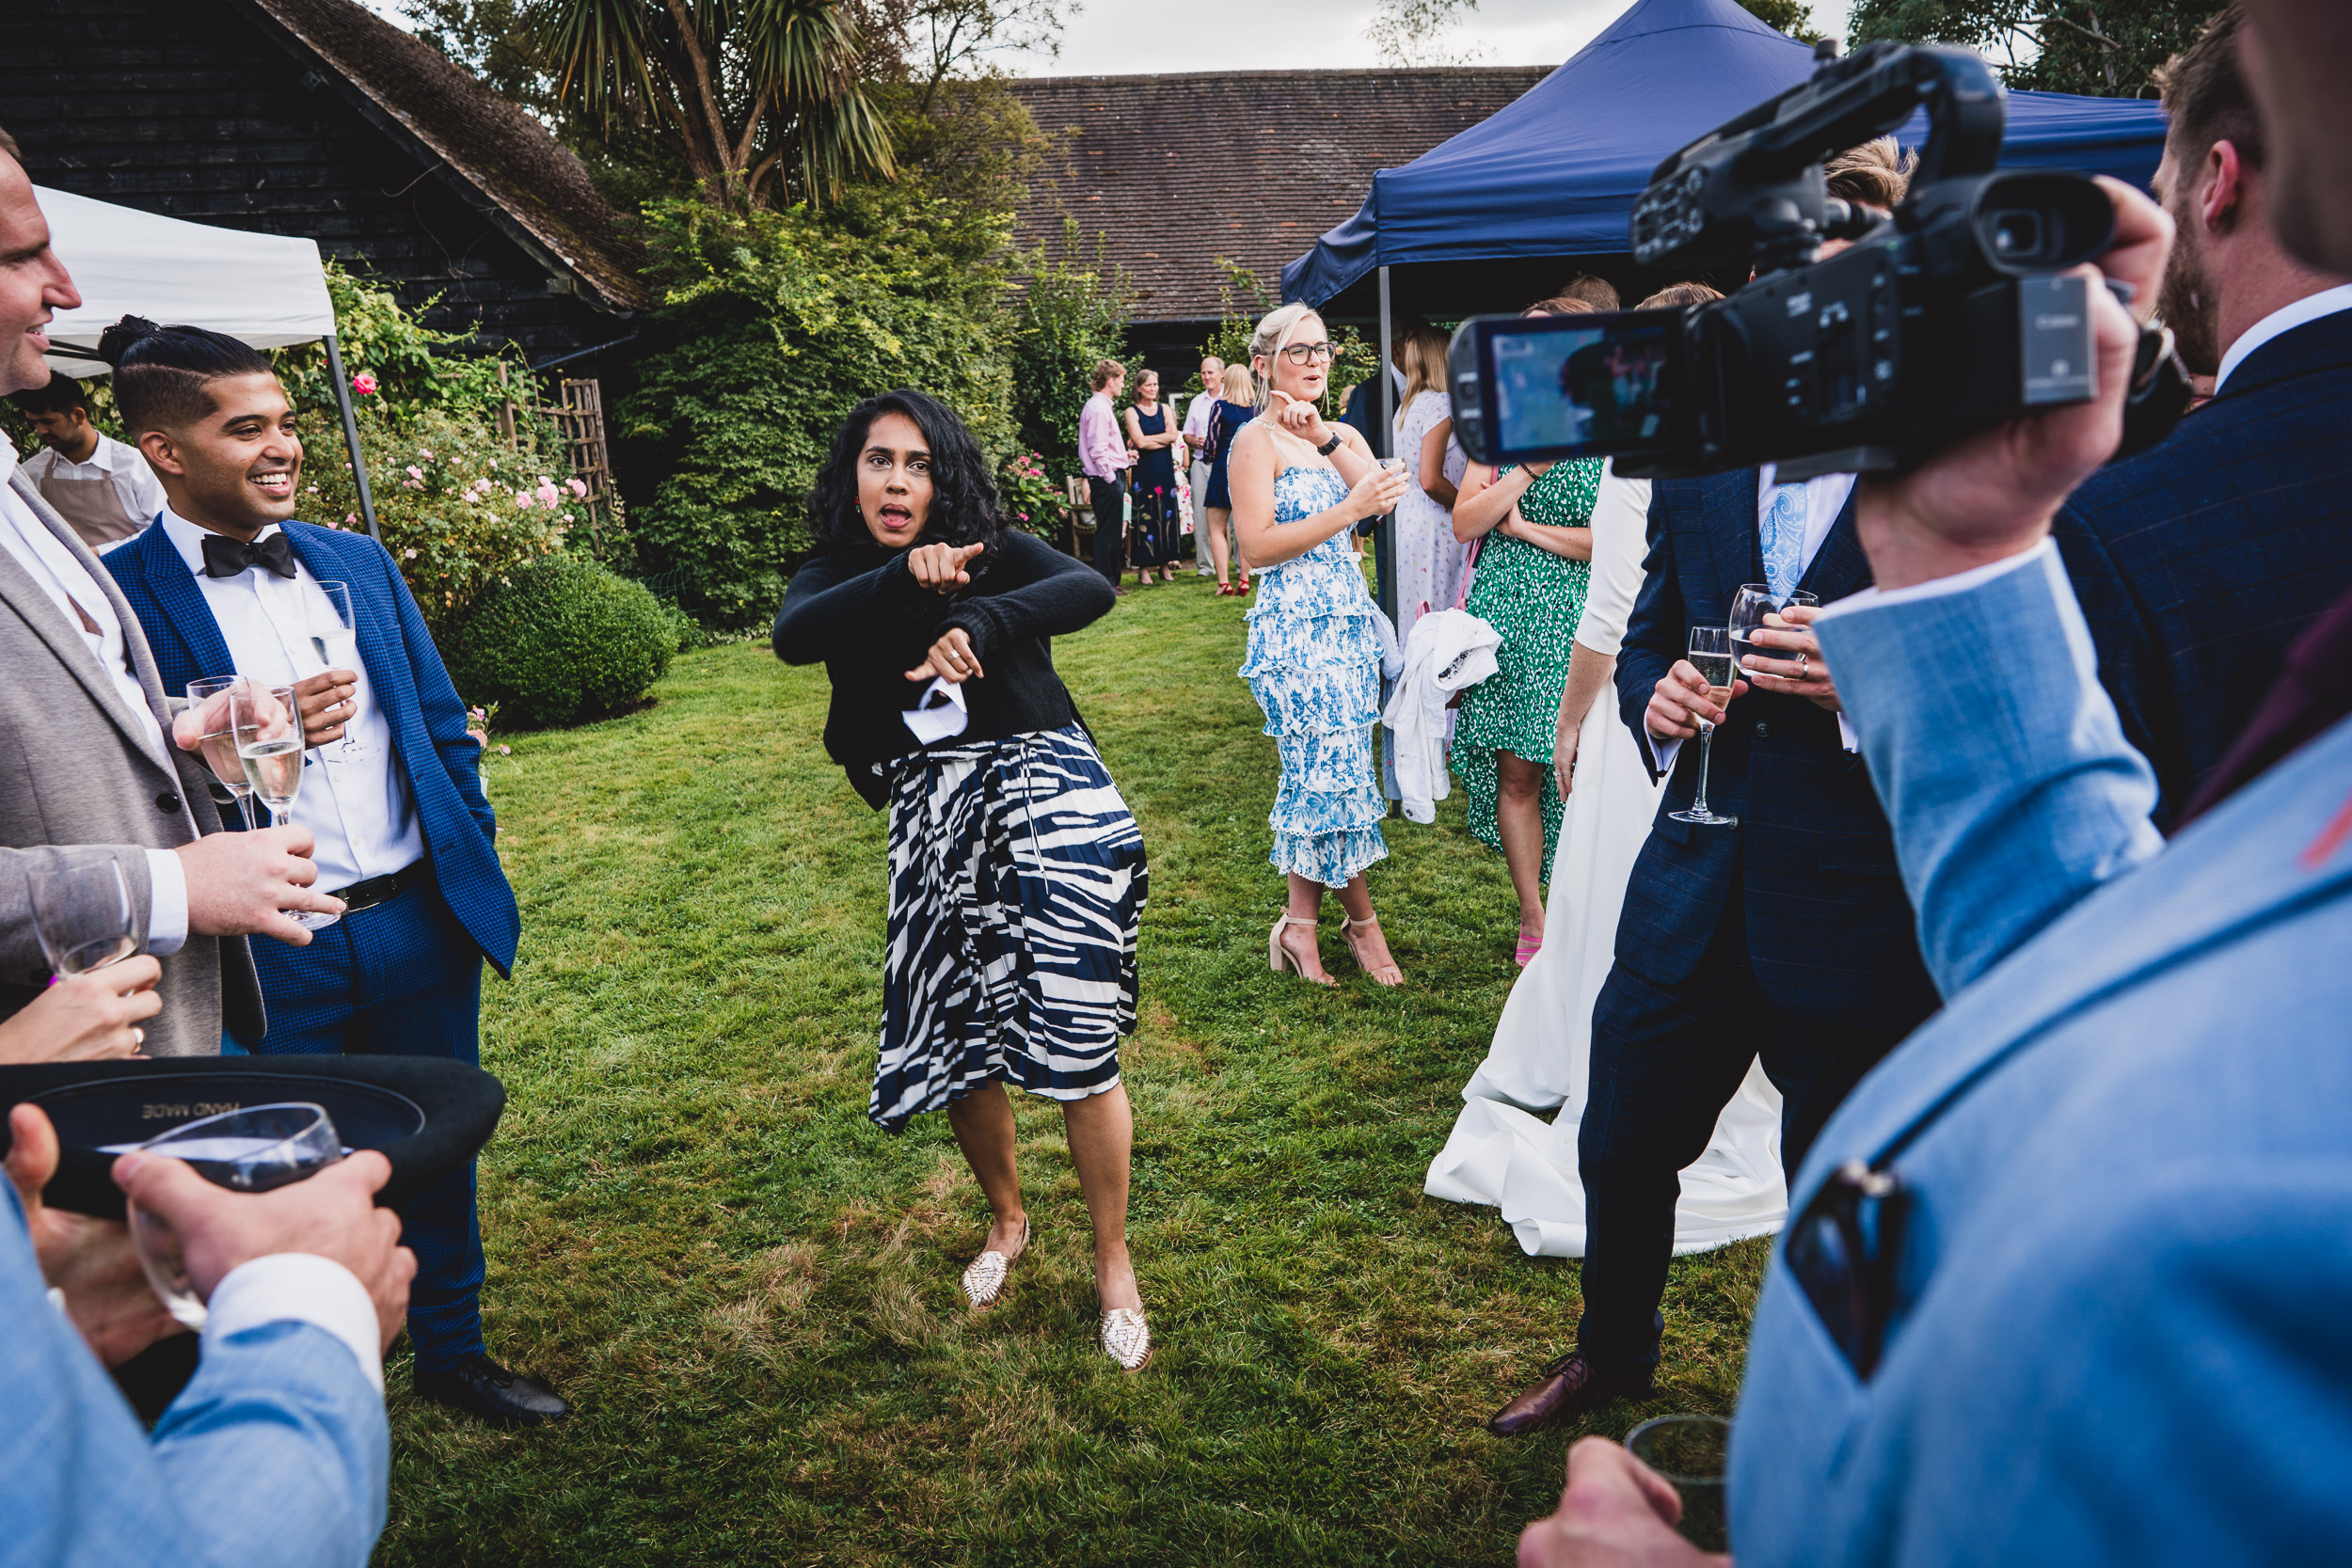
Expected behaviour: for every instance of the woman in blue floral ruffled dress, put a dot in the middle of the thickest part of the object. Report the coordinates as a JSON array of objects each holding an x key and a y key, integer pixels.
[{"x": 1298, "y": 488}]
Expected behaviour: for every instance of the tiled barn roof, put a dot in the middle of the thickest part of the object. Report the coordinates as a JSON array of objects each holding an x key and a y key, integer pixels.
[{"x": 1249, "y": 165}]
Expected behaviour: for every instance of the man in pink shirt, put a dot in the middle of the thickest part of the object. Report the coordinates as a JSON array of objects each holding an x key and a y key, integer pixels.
[{"x": 1104, "y": 457}]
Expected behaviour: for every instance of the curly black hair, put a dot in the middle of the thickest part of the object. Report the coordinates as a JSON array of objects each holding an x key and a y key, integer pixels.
[{"x": 964, "y": 508}]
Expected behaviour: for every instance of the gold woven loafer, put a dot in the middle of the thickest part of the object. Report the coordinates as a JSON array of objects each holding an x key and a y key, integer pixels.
[
  {"x": 1126, "y": 1337},
  {"x": 984, "y": 1281}
]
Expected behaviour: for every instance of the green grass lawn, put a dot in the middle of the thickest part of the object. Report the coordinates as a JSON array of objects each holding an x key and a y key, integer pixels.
[{"x": 751, "y": 1292}]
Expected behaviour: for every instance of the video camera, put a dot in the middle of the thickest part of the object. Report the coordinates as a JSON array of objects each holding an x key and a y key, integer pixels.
[{"x": 1947, "y": 317}]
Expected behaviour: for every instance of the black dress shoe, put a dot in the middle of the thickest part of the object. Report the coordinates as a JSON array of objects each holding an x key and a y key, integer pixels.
[
  {"x": 1568, "y": 1389},
  {"x": 480, "y": 1387}
]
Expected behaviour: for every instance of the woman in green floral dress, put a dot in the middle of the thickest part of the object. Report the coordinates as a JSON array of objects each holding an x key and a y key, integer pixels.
[{"x": 1530, "y": 586}]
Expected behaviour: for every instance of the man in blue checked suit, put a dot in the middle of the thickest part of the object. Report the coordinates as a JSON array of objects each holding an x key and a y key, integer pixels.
[
  {"x": 2070, "y": 1275},
  {"x": 2197, "y": 562},
  {"x": 1787, "y": 936},
  {"x": 228, "y": 581}
]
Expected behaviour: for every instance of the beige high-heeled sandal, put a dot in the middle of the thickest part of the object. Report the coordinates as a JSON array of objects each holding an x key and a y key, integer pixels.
[
  {"x": 1387, "y": 974},
  {"x": 1280, "y": 959}
]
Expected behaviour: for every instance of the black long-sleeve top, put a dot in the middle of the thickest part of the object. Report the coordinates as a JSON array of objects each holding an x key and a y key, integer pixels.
[{"x": 862, "y": 614}]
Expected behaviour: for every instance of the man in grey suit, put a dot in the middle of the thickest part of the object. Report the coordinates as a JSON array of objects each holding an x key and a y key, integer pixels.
[
  {"x": 86, "y": 764},
  {"x": 2068, "y": 1275}
]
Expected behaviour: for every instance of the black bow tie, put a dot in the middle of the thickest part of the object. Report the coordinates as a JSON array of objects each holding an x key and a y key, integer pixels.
[{"x": 225, "y": 557}]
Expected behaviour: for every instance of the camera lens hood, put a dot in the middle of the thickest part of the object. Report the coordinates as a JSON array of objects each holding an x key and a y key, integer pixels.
[{"x": 2028, "y": 221}]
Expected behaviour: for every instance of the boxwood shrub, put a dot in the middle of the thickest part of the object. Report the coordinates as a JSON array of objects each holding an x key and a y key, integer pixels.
[{"x": 562, "y": 639}]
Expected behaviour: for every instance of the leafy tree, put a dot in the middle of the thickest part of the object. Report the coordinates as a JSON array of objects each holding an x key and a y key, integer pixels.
[
  {"x": 1072, "y": 314},
  {"x": 1413, "y": 33},
  {"x": 2103, "y": 48},
  {"x": 771, "y": 326},
  {"x": 1354, "y": 356},
  {"x": 1794, "y": 17}
]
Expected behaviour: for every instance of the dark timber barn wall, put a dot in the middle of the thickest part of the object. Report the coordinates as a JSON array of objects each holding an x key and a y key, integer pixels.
[{"x": 314, "y": 118}]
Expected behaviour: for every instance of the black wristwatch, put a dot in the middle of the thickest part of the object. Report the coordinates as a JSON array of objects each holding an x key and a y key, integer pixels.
[{"x": 1332, "y": 446}]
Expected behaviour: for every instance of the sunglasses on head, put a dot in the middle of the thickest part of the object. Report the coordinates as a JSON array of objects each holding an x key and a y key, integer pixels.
[{"x": 1842, "y": 1251}]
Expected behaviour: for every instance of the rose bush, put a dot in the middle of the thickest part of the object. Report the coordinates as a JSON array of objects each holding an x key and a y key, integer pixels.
[{"x": 1031, "y": 500}]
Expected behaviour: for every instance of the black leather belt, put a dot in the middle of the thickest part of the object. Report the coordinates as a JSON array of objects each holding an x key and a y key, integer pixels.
[{"x": 378, "y": 890}]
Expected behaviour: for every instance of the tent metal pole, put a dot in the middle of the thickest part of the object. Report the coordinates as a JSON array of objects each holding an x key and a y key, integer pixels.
[
  {"x": 351, "y": 435},
  {"x": 1384, "y": 536}
]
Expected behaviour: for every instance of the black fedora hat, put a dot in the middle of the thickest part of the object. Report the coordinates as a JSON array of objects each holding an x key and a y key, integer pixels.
[{"x": 426, "y": 1115}]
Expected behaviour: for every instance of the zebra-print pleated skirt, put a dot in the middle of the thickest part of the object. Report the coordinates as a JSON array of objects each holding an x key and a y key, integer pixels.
[{"x": 1017, "y": 880}]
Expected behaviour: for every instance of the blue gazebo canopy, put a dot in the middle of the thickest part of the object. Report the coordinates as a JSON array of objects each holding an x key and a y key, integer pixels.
[{"x": 1555, "y": 173}]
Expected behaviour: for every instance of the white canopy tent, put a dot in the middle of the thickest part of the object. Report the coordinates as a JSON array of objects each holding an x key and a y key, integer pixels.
[{"x": 266, "y": 290}]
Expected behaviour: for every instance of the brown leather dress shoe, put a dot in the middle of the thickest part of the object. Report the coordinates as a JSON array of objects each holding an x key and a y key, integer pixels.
[{"x": 1568, "y": 1387}]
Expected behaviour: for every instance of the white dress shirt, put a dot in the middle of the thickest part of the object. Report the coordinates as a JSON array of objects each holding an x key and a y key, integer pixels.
[
  {"x": 70, "y": 586},
  {"x": 360, "y": 813},
  {"x": 135, "y": 484},
  {"x": 1197, "y": 413},
  {"x": 2285, "y": 319},
  {"x": 1825, "y": 497}
]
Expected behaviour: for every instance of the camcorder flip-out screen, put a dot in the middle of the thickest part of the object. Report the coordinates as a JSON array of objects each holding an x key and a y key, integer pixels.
[{"x": 1582, "y": 385}]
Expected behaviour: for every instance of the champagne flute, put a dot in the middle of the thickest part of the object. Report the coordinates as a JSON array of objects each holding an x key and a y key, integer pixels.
[
  {"x": 268, "y": 725},
  {"x": 209, "y": 700},
  {"x": 82, "y": 914},
  {"x": 256, "y": 1150},
  {"x": 1711, "y": 654},
  {"x": 1749, "y": 607},
  {"x": 335, "y": 639}
]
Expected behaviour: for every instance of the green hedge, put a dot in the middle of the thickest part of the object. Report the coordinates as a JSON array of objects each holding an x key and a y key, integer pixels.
[{"x": 563, "y": 640}]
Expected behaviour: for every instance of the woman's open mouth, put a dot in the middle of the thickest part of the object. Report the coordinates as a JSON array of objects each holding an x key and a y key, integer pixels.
[{"x": 894, "y": 518}]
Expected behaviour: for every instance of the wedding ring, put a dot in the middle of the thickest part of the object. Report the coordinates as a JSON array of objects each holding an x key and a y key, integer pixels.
[
  {"x": 1802, "y": 674},
  {"x": 138, "y": 1036}
]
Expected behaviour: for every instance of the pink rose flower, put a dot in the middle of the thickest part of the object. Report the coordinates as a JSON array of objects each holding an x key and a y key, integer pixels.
[
  {"x": 409, "y": 554},
  {"x": 364, "y": 384},
  {"x": 548, "y": 494},
  {"x": 577, "y": 486},
  {"x": 414, "y": 472}
]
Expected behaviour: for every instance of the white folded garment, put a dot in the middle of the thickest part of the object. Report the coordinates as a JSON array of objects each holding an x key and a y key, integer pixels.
[
  {"x": 939, "y": 714},
  {"x": 1449, "y": 651}
]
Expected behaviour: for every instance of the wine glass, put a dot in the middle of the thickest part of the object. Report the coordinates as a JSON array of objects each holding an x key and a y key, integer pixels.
[
  {"x": 82, "y": 914},
  {"x": 1690, "y": 1454},
  {"x": 1711, "y": 654},
  {"x": 209, "y": 700},
  {"x": 268, "y": 720},
  {"x": 1748, "y": 608},
  {"x": 256, "y": 1150},
  {"x": 335, "y": 639}
]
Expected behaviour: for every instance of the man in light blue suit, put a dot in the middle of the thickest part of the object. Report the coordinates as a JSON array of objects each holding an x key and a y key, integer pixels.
[
  {"x": 278, "y": 1454},
  {"x": 2071, "y": 1268}
]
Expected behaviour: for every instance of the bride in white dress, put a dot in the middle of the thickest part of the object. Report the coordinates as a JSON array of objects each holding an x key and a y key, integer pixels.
[{"x": 1501, "y": 1153}]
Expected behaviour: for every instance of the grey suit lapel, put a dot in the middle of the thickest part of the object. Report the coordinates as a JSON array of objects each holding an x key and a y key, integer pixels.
[
  {"x": 2224, "y": 876},
  {"x": 39, "y": 612}
]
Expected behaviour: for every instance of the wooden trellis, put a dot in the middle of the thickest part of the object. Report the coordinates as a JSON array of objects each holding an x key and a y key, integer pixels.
[{"x": 577, "y": 416}]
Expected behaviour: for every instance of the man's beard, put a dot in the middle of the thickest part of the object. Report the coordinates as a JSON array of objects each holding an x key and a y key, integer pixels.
[{"x": 2185, "y": 300}]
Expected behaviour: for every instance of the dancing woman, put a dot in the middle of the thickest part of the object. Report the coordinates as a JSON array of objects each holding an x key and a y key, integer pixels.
[
  {"x": 1298, "y": 488},
  {"x": 1017, "y": 875}
]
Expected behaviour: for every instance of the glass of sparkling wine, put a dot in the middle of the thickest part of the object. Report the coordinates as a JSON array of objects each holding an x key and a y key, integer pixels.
[
  {"x": 82, "y": 914},
  {"x": 209, "y": 700},
  {"x": 268, "y": 720},
  {"x": 255, "y": 1149},
  {"x": 1711, "y": 654},
  {"x": 336, "y": 641},
  {"x": 1748, "y": 608}
]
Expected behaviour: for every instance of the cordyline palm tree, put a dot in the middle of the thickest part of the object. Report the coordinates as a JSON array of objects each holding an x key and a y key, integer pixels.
[{"x": 760, "y": 98}]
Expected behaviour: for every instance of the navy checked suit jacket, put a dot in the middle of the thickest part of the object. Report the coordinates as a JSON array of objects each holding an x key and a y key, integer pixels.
[
  {"x": 404, "y": 672},
  {"x": 2198, "y": 564},
  {"x": 1829, "y": 929}
]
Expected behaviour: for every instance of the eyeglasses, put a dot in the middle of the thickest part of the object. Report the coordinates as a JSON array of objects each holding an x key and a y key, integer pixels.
[
  {"x": 1842, "y": 1252},
  {"x": 1300, "y": 353}
]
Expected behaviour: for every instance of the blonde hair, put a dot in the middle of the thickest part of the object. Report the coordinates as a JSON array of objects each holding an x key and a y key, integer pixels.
[
  {"x": 1273, "y": 333},
  {"x": 1234, "y": 386},
  {"x": 1876, "y": 174},
  {"x": 1421, "y": 356}
]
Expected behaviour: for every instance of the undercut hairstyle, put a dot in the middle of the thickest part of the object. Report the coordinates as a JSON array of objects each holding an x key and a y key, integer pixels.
[
  {"x": 1560, "y": 305},
  {"x": 162, "y": 373},
  {"x": 964, "y": 508},
  {"x": 2207, "y": 99},
  {"x": 1875, "y": 174},
  {"x": 61, "y": 396},
  {"x": 1103, "y": 370},
  {"x": 1598, "y": 293},
  {"x": 1680, "y": 296}
]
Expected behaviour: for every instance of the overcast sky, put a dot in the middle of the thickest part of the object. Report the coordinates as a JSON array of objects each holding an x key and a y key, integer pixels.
[{"x": 1127, "y": 37}]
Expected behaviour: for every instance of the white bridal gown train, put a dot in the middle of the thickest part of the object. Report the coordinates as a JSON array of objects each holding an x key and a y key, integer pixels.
[{"x": 1501, "y": 1153}]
